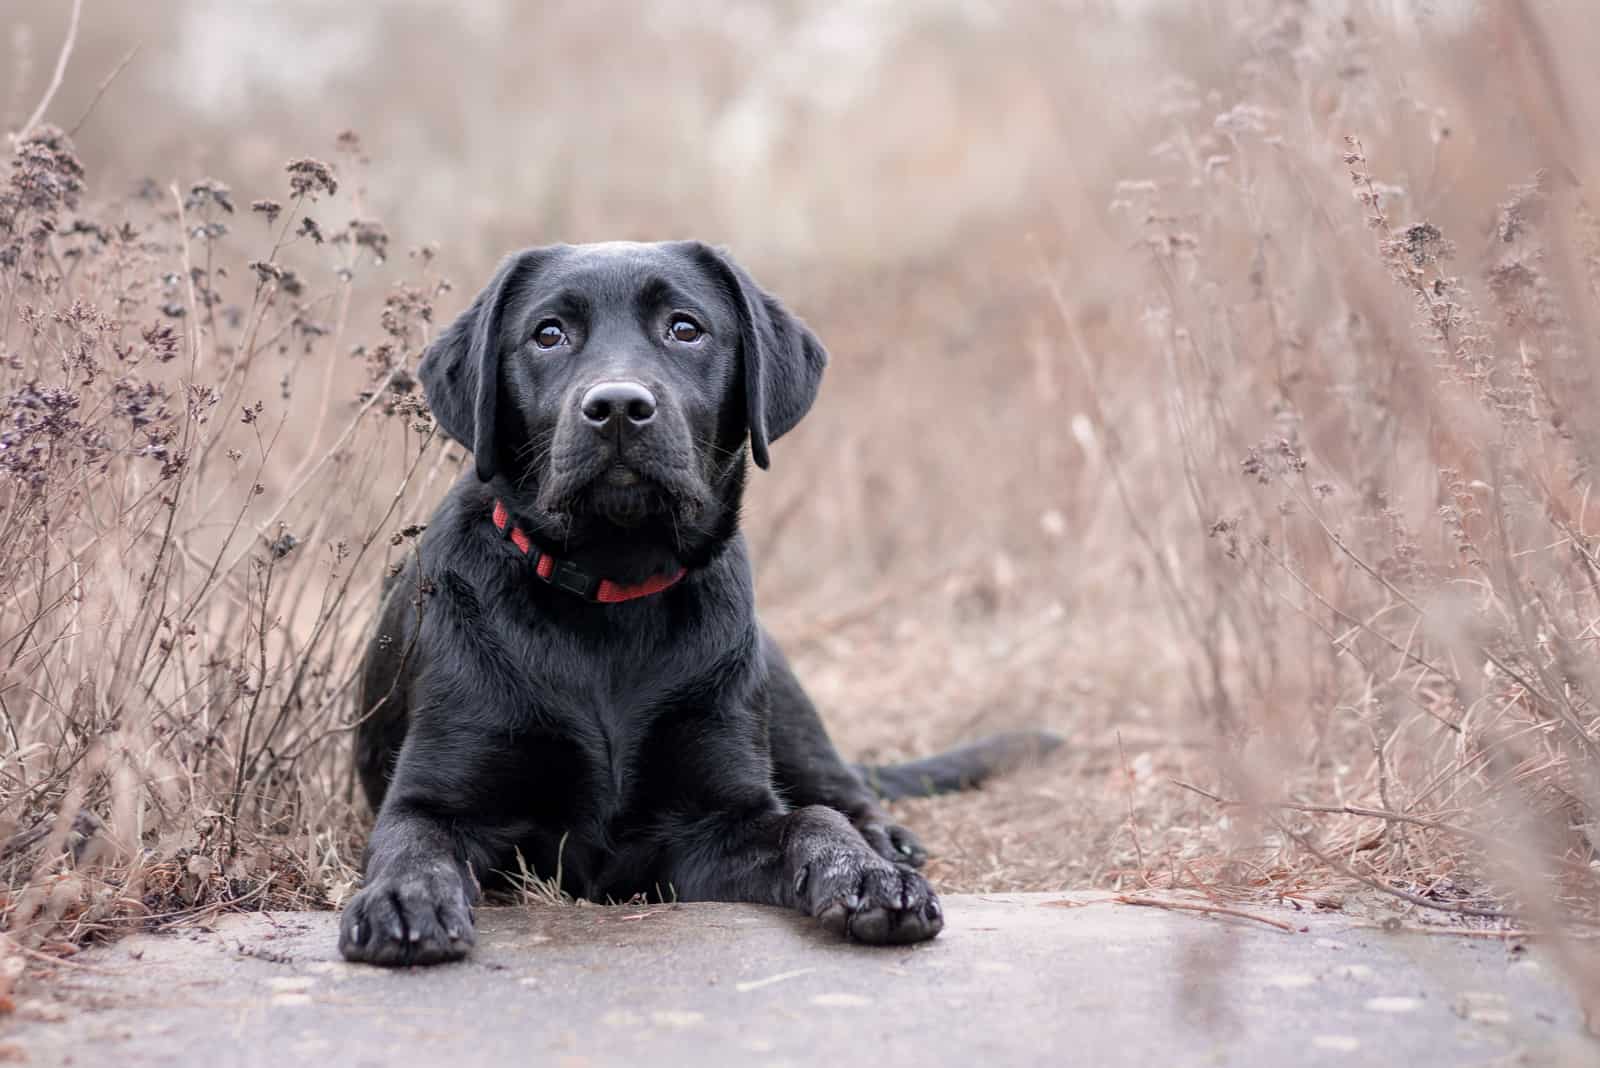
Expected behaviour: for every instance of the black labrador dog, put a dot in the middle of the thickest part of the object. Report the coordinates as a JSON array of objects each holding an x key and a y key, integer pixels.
[{"x": 570, "y": 671}]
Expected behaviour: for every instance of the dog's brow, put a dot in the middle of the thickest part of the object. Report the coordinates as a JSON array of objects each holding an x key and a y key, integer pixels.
[
  {"x": 568, "y": 304},
  {"x": 657, "y": 293}
]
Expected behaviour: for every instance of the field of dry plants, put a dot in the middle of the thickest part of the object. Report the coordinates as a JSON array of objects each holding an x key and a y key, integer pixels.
[{"x": 1215, "y": 384}]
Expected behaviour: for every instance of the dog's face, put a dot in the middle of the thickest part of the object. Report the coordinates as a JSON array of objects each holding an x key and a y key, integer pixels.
[{"x": 617, "y": 383}]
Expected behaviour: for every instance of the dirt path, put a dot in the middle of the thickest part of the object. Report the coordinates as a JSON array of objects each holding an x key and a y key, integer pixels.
[{"x": 1044, "y": 979}]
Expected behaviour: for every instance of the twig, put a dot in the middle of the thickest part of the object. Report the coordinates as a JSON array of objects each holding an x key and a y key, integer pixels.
[
  {"x": 1382, "y": 887},
  {"x": 60, "y": 71},
  {"x": 756, "y": 984},
  {"x": 1221, "y": 910},
  {"x": 99, "y": 92},
  {"x": 53, "y": 959},
  {"x": 1339, "y": 810}
]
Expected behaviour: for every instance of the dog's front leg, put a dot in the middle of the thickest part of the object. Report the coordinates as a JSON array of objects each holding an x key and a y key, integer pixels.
[
  {"x": 811, "y": 859},
  {"x": 450, "y": 813}
]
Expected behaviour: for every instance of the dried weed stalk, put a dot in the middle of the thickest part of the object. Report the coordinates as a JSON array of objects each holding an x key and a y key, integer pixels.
[
  {"x": 185, "y": 574},
  {"x": 1384, "y": 562}
]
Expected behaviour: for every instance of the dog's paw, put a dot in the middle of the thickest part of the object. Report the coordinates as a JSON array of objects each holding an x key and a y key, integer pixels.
[
  {"x": 872, "y": 902},
  {"x": 892, "y": 842},
  {"x": 416, "y": 917}
]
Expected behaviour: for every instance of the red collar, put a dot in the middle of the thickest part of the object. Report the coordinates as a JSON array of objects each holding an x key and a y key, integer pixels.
[{"x": 574, "y": 579}]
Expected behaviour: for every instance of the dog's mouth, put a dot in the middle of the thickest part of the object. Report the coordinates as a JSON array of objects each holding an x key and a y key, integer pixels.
[
  {"x": 623, "y": 493},
  {"x": 624, "y": 497}
]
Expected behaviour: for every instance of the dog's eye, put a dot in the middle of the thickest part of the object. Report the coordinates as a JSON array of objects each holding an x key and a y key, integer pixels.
[
  {"x": 684, "y": 329},
  {"x": 549, "y": 335}
]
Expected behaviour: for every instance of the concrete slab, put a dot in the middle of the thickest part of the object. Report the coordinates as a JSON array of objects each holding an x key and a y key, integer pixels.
[{"x": 1028, "y": 979}]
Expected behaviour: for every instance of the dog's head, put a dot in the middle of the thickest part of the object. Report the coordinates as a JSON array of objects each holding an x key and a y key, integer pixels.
[{"x": 616, "y": 384}]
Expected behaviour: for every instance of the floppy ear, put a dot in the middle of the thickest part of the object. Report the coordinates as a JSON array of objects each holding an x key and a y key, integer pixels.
[
  {"x": 460, "y": 372},
  {"x": 782, "y": 359}
]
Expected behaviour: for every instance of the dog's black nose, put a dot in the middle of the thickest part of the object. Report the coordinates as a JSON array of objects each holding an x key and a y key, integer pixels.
[{"x": 612, "y": 402}]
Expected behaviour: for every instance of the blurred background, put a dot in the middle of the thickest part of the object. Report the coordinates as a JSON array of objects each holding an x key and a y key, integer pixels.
[
  {"x": 1179, "y": 351},
  {"x": 847, "y": 133}
]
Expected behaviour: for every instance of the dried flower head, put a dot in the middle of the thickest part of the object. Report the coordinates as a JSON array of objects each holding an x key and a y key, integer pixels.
[
  {"x": 308, "y": 177},
  {"x": 208, "y": 191},
  {"x": 370, "y": 234}
]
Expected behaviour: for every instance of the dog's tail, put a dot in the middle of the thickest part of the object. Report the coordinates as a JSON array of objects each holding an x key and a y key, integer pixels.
[{"x": 960, "y": 768}]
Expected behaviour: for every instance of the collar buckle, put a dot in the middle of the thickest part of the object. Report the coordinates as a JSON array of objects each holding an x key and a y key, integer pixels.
[{"x": 567, "y": 576}]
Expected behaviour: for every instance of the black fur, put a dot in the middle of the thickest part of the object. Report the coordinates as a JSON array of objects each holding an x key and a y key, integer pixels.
[{"x": 660, "y": 746}]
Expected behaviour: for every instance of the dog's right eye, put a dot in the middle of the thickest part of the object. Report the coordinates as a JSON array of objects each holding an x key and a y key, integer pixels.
[{"x": 549, "y": 335}]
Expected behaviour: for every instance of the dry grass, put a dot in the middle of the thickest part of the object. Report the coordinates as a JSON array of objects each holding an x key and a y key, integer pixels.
[
  {"x": 181, "y": 605},
  {"x": 1242, "y": 431}
]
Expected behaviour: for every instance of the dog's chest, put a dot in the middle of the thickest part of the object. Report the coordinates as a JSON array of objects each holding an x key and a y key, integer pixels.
[{"x": 606, "y": 713}]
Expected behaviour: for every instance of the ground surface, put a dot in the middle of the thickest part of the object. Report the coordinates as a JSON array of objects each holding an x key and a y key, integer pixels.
[{"x": 1045, "y": 979}]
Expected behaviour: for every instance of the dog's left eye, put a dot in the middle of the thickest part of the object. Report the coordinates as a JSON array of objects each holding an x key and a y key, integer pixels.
[{"x": 684, "y": 329}]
